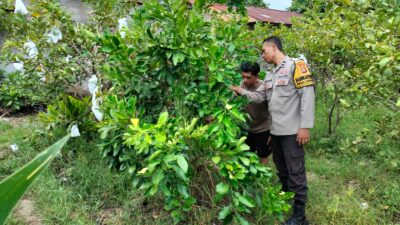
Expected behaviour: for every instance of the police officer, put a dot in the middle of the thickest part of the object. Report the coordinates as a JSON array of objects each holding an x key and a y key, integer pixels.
[{"x": 289, "y": 90}]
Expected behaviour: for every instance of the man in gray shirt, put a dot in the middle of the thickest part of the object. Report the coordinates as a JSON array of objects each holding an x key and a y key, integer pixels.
[
  {"x": 260, "y": 119},
  {"x": 289, "y": 90}
]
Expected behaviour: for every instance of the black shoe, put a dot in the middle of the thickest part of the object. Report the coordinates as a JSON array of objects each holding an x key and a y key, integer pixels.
[{"x": 298, "y": 217}]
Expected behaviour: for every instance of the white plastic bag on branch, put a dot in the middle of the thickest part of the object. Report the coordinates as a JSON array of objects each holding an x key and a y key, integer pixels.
[
  {"x": 302, "y": 57},
  {"x": 31, "y": 49},
  {"x": 14, "y": 67},
  {"x": 68, "y": 58},
  {"x": 42, "y": 76},
  {"x": 14, "y": 147},
  {"x": 97, "y": 113},
  {"x": 54, "y": 35},
  {"x": 122, "y": 25},
  {"x": 20, "y": 7},
  {"x": 92, "y": 84},
  {"x": 96, "y": 107},
  {"x": 93, "y": 88},
  {"x": 75, "y": 131}
]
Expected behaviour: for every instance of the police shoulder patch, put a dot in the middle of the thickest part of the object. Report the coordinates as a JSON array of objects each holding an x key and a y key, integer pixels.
[{"x": 302, "y": 76}]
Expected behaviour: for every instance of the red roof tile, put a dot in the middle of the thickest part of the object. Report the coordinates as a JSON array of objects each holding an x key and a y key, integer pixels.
[{"x": 271, "y": 15}]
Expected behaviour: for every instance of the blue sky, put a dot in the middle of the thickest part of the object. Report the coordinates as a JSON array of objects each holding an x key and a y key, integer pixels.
[{"x": 278, "y": 4}]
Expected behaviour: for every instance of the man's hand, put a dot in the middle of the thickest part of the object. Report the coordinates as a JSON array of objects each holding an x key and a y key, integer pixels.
[
  {"x": 236, "y": 89},
  {"x": 303, "y": 136},
  {"x": 269, "y": 141}
]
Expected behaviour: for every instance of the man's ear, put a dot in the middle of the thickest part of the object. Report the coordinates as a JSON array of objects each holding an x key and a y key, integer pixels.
[{"x": 274, "y": 47}]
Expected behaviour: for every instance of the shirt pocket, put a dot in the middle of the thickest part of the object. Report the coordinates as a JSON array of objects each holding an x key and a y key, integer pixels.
[
  {"x": 268, "y": 88},
  {"x": 283, "y": 87}
]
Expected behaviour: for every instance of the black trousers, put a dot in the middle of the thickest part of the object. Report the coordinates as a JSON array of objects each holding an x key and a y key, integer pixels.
[
  {"x": 258, "y": 143},
  {"x": 288, "y": 157}
]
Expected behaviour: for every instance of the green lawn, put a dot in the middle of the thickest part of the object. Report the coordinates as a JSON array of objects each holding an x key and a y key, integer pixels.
[{"x": 344, "y": 188}]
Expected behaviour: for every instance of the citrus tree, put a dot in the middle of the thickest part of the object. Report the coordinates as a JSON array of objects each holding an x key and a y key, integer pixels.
[{"x": 170, "y": 120}]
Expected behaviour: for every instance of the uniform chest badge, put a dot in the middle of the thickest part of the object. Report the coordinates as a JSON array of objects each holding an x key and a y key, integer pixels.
[
  {"x": 268, "y": 84},
  {"x": 282, "y": 81},
  {"x": 283, "y": 71}
]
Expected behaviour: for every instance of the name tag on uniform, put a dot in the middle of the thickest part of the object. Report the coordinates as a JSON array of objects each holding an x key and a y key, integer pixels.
[
  {"x": 283, "y": 72},
  {"x": 282, "y": 81},
  {"x": 268, "y": 84}
]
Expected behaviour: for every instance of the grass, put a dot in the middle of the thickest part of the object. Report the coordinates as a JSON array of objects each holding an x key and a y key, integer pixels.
[{"x": 78, "y": 188}]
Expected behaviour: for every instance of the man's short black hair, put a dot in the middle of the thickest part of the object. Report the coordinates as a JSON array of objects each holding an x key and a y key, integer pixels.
[
  {"x": 250, "y": 67},
  {"x": 275, "y": 40}
]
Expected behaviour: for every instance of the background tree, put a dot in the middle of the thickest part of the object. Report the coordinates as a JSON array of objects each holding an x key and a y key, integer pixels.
[
  {"x": 258, "y": 3},
  {"x": 301, "y": 6}
]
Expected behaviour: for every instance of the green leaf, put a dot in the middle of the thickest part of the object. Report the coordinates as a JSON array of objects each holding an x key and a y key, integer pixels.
[
  {"x": 14, "y": 186},
  {"x": 245, "y": 160},
  {"x": 171, "y": 78},
  {"x": 107, "y": 49},
  {"x": 245, "y": 200},
  {"x": 231, "y": 48},
  {"x": 183, "y": 190},
  {"x": 224, "y": 212},
  {"x": 212, "y": 67},
  {"x": 158, "y": 176},
  {"x": 242, "y": 220},
  {"x": 169, "y": 158},
  {"x": 162, "y": 119},
  {"x": 177, "y": 58},
  {"x": 89, "y": 34},
  {"x": 244, "y": 147},
  {"x": 216, "y": 159},
  {"x": 383, "y": 62},
  {"x": 222, "y": 188},
  {"x": 132, "y": 169},
  {"x": 155, "y": 155},
  {"x": 199, "y": 4},
  {"x": 182, "y": 163},
  {"x": 160, "y": 137}
]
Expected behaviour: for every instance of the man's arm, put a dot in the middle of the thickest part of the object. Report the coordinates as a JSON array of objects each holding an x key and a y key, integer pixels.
[
  {"x": 307, "y": 113},
  {"x": 307, "y": 107},
  {"x": 305, "y": 85},
  {"x": 257, "y": 96}
]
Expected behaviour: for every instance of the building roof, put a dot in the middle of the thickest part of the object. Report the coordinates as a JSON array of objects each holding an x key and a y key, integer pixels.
[{"x": 258, "y": 14}]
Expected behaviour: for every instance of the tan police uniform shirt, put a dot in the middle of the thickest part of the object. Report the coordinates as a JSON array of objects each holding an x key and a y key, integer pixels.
[{"x": 291, "y": 108}]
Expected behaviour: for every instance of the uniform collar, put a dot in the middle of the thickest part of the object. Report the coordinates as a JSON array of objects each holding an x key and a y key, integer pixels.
[{"x": 285, "y": 60}]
